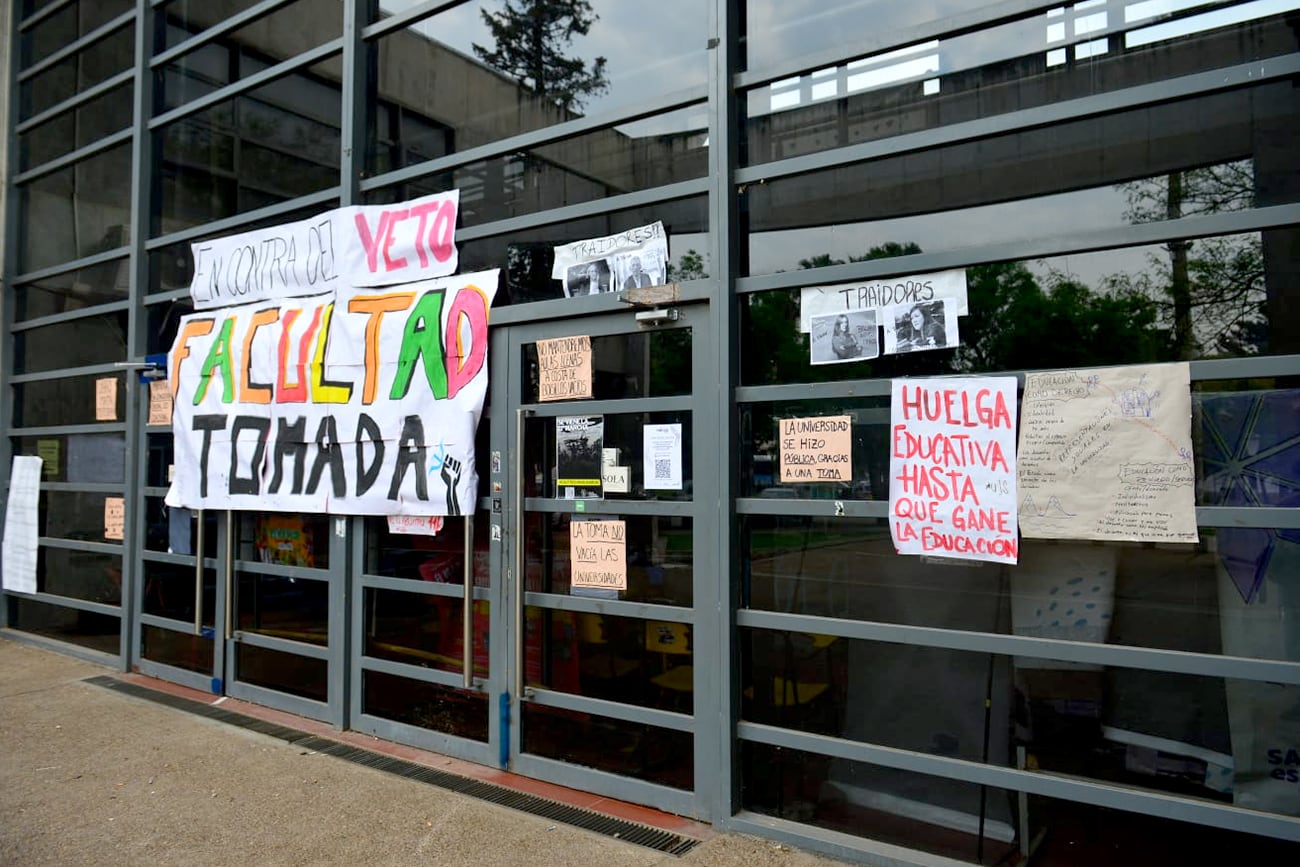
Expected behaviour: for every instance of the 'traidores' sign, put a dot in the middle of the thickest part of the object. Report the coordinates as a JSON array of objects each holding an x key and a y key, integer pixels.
[
  {"x": 373, "y": 245},
  {"x": 355, "y": 401}
]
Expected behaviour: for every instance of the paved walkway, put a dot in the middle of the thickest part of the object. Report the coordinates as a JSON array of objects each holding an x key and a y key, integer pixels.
[{"x": 91, "y": 776}]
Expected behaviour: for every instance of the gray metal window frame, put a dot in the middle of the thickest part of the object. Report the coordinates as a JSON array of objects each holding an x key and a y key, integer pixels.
[{"x": 718, "y": 398}]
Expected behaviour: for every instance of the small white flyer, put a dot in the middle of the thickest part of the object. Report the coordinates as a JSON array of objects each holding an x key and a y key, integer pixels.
[{"x": 662, "y": 454}]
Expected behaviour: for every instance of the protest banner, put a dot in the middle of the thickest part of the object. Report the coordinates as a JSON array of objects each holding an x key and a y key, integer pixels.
[
  {"x": 598, "y": 552},
  {"x": 952, "y": 468},
  {"x": 564, "y": 368},
  {"x": 370, "y": 245},
  {"x": 878, "y": 294},
  {"x": 634, "y": 259},
  {"x": 355, "y": 402},
  {"x": 817, "y": 449}
]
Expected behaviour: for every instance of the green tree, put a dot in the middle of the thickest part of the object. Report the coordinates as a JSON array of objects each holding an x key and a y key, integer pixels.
[{"x": 530, "y": 37}]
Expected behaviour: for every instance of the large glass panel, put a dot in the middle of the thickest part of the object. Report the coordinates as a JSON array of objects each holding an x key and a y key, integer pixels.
[
  {"x": 624, "y": 659},
  {"x": 184, "y": 18},
  {"x": 105, "y": 58},
  {"x": 284, "y": 538},
  {"x": 609, "y": 162},
  {"x": 424, "y": 630},
  {"x": 639, "y": 364},
  {"x": 169, "y": 591},
  {"x": 70, "y": 400},
  {"x": 77, "y": 128},
  {"x": 457, "y": 712},
  {"x": 292, "y": 608},
  {"x": 74, "y": 515},
  {"x": 1042, "y": 58},
  {"x": 84, "y": 575},
  {"x": 77, "y": 211},
  {"x": 101, "y": 632},
  {"x": 175, "y": 531},
  {"x": 181, "y": 649},
  {"x": 526, "y": 256},
  {"x": 72, "y": 290},
  {"x": 269, "y": 145},
  {"x": 630, "y": 749},
  {"x": 659, "y": 550},
  {"x": 78, "y": 343},
  {"x": 439, "y": 558},
  {"x": 77, "y": 457},
  {"x": 1200, "y": 737},
  {"x": 69, "y": 24},
  {"x": 1228, "y": 594},
  {"x": 565, "y": 465},
  {"x": 287, "y": 672},
  {"x": 488, "y": 72}
]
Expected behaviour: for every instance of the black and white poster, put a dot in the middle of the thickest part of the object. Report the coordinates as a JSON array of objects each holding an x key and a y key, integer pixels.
[
  {"x": 578, "y": 443},
  {"x": 588, "y": 278},
  {"x": 921, "y": 326},
  {"x": 633, "y": 259},
  {"x": 835, "y": 338}
]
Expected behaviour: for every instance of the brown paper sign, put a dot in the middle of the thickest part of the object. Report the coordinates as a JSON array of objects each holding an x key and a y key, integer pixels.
[
  {"x": 114, "y": 517},
  {"x": 817, "y": 449},
  {"x": 160, "y": 402},
  {"x": 598, "y": 552},
  {"x": 564, "y": 368},
  {"x": 106, "y": 399}
]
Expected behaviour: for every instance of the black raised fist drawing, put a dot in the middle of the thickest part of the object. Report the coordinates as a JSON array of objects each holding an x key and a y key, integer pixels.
[{"x": 450, "y": 476}]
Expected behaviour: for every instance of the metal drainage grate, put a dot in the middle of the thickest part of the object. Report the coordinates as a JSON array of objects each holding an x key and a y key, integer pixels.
[{"x": 621, "y": 829}]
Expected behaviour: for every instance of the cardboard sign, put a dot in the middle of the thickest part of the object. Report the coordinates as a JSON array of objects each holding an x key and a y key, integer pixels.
[
  {"x": 952, "y": 468},
  {"x": 160, "y": 403},
  {"x": 1106, "y": 454},
  {"x": 564, "y": 368},
  {"x": 355, "y": 402},
  {"x": 106, "y": 399},
  {"x": 817, "y": 449},
  {"x": 114, "y": 517},
  {"x": 598, "y": 552},
  {"x": 373, "y": 245}
]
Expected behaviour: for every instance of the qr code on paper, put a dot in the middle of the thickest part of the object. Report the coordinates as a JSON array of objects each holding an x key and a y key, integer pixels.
[{"x": 663, "y": 468}]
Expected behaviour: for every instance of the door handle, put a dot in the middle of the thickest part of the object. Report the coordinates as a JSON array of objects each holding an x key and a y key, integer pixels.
[
  {"x": 198, "y": 577},
  {"x": 230, "y": 572},
  {"x": 467, "y": 613},
  {"x": 520, "y": 415}
]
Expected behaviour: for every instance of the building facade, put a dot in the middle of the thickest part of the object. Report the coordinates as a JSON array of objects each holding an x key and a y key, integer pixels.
[{"x": 1115, "y": 179}]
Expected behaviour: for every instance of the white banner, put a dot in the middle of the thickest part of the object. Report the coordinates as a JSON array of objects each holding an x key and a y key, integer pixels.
[
  {"x": 877, "y": 294},
  {"x": 355, "y": 402},
  {"x": 372, "y": 245},
  {"x": 952, "y": 468}
]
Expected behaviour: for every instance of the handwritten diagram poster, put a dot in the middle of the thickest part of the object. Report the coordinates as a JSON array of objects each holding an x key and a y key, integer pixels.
[
  {"x": 599, "y": 554},
  {"x": 952, "y": 468},
  {"x": 817, "y": 449},
  {"x": 1106, "y": 453},
  {"x": 354, "y": 402},
  {"x": 564, "y": 368}
]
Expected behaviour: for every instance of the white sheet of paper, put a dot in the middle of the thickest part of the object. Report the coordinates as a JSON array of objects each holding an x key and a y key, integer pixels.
[
  {"x": 614, "y": 480},
  {"x": 662, "y": 456},
  {"x": 21, "y": 537},
  {"x": 1106, "y": 454}
]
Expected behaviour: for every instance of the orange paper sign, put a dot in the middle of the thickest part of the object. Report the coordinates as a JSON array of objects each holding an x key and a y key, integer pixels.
[
  {"x": 817, "y": 449},
  {"x": 106, "y": 399},
  {"x": 160, "y": 403},
  {"x": 114, "y": 517},
  {"x": 564, "y": 368}
]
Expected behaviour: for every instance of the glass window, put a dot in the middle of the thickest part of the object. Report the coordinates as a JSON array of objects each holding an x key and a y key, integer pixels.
[
  {"x": 101, "y": 632},
  {"x": 419, "y": 629},
  {"x": 660, "y": 556},
  {"x": 70, "y": 400},
  {"x": 86, "y": 575},
  {"x": 545, "y": 463},
  {"x": 620, "y": 159},
  {"x": 286, "y": 672},
  {"x": 629, "y": 749},
  {"x": 77, "y": 128},
  {"x": 438, "y": 558},
  {"x": 77, "y": 211},
  {"x": 78, "y": 343},
  {"x": 181, "y": 649},
  {"x": 77, "y": 457},
  {"x": 77, "y": 19},
  {"x": 103, "y": 59},
  {"x": 72, "y": 290},
  {"x": 292, "y": 608},
  {"x": 484, "y": 75},
  {"x": 169, "y": 591},
  {"x": 272, "y": 144},
  {"x": 74, "y": 515},
  {"x": 637, "y": 364},
  {"x": 1043, "y": 58},
  {"x": 459, "y": 712},
  {"x": 284, "y": 538}
]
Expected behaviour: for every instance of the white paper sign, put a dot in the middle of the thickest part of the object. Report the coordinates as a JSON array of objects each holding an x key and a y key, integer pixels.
[
  {"x": 878, "y": 294},
  {"x": 371, "y": 245},
  {"x": 662, "y": 457},
  {"x": 952, "y": 468},
  {"x": 415, "y": 525},
  {"x": 355, "y": 402},
  {"x": 629, "y": 260},
  {"x": 21, "y": 534}
]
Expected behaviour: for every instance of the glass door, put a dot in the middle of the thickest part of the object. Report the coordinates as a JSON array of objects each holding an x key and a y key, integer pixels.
[{"x": 599, "y": 553}]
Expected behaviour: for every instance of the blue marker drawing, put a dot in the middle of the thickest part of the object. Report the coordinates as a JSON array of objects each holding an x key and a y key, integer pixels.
[{"x": 438, "y": 458}]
